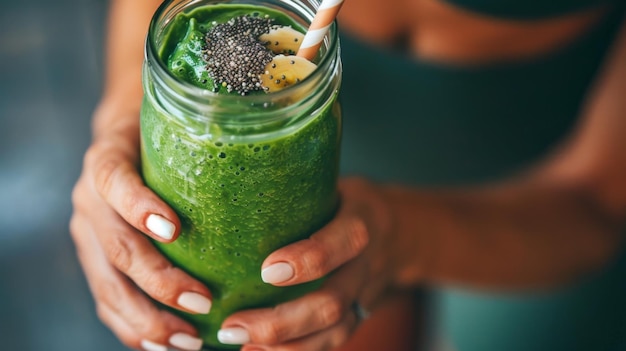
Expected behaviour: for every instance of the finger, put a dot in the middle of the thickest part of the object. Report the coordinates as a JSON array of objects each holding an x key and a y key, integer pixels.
[
  {"x": 152, "y": 340},
  {"x": 328, "y": 339},
  {"x": 285, "y": 322},
  {"x": 306, "y": 260},
  {"x": 310, "y": 314},
  {"x": 124, "y": 332},
  {"x": 117, "y": 180},
  {"x": 135, "y": 256},
  {"x": 122, "y": 307},
  {"x": 127, "y": 334}
]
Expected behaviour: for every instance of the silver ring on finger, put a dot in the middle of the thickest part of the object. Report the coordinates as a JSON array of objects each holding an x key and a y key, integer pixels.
[{"x": 360, "y": 312}]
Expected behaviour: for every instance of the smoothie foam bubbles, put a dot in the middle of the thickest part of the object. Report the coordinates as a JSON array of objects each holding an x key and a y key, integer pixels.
[{"x": 248, "y": 169}]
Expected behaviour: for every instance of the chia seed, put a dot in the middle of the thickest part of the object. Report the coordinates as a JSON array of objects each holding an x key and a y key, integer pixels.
[{"x": 235, "y": 56}]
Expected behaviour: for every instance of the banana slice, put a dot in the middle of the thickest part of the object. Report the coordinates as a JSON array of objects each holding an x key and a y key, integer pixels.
[
  {"x": 283, "y": 40},
  {"x": 284, "y": 71}
]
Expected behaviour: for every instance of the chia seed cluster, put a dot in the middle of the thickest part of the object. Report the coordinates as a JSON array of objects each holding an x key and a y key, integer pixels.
[{"x": 234, "y": 54}]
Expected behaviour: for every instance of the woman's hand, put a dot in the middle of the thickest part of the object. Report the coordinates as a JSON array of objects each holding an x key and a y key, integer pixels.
[
  {"x": 112, "y": 212},
  {"x": 355, "y": 247}
]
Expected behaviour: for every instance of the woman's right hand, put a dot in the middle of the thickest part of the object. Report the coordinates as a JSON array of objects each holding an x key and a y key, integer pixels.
[{"x": 114, "y": 214}]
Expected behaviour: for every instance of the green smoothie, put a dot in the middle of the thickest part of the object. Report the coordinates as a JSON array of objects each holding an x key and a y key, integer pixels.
[{"x": 238, "y": 200}]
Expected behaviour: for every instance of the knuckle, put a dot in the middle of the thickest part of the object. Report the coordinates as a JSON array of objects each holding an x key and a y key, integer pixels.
[
  {"x": 316, "y": 260},
  {"x": 331, "y": 310},
  {"x": 358, "y": 236},
  {"x": 105, "y": 163},
  {"x": 126, "y": 327},
  {"x": 125, "y": 336},
  {"x": 159, "y": 288},
  {"x": 109, "y": 295},
  {"x": 91, "y": 155},
  {"x": 105, "y": 173},
  {"x": 135, "y": 326},
  {"x": 148, "y": 326},
  {"x": 130, "y": 204},
  {"x": 272, "y": 333},
  {"x": 114, "y": 179},
  {"x": 119, "y": 251},
  {"x": 80, "y": 195}
]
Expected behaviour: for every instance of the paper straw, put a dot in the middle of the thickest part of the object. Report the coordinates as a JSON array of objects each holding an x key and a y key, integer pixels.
[{"x": 313, "y": 38}]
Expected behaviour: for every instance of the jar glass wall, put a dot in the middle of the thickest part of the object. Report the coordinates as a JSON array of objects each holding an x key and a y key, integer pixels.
[{"x": 246, "y": 174}]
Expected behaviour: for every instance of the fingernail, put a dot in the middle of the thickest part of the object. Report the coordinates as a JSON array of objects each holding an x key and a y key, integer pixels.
[
  {"x": 194, "y": 302},
  {"x": 160, "y": 226},
  {"x": 277, "y": 273},
  {"x": 185, "y": 342},
  {"x": 233, "y": 336},
  {"x": 148, "y": 345}
]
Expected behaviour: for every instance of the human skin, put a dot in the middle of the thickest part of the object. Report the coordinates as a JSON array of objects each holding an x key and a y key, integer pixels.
[{"x": 378, "y": 242}]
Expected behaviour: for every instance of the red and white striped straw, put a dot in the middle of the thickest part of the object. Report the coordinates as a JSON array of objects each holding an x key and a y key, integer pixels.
[{"x": 313, "y": 38}]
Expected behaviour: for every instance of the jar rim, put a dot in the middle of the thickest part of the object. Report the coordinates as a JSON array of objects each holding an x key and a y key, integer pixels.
[{"x": 331, "y": 40}]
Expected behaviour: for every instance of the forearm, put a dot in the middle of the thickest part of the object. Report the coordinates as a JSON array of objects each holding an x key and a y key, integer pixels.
[
  {"x": 521, "y": 235},
  {"x": 118, "y": 110}
]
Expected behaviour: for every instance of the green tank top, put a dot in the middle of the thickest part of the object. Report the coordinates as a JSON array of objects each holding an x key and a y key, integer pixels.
[{"x": 427, "y": 124}]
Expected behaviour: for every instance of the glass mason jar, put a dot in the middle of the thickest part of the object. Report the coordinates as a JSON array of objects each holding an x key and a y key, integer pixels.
[{"x": 246, "y": 174}]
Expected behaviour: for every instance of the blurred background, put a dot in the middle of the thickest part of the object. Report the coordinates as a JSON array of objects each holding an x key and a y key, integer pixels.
[
  {"x": 50, "y": 80},
  {"x": 51, "y": 70}
]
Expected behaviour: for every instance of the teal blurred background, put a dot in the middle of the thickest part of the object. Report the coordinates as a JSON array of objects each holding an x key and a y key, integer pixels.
[
  {"x": 51, "y": 67},
  {"x": 50, "y": 79}
]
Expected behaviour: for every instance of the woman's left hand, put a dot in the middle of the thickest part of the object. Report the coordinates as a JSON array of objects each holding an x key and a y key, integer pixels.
[{"x": 356, "y": 247}]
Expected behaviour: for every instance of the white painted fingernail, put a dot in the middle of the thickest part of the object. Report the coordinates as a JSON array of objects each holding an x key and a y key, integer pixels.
[
  {"x": 194, "y": 302},
  {"x": 277, "y": 273},
  {"x": 148, "y": 345},
  {"x": 160, "y": 226},
  {"x": 185, "y": 342},
  {"x": 233, "y": 336}
]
